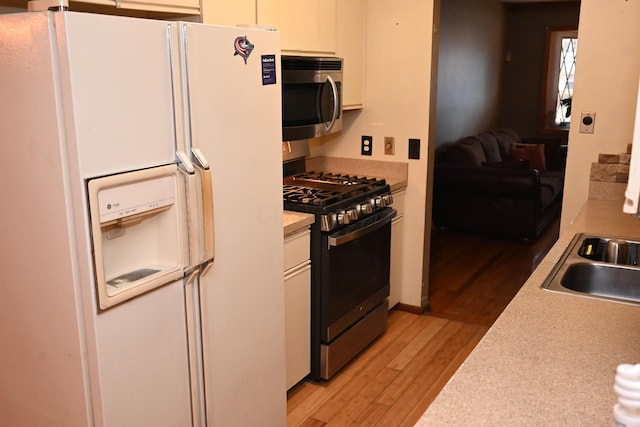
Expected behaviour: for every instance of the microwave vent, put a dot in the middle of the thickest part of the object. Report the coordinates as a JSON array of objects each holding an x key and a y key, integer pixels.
[{"x": 311, "y": 63}]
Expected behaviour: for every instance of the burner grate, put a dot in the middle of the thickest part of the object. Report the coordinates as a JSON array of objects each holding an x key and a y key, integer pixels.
[
  {"x": 315, "y": 196},
  {"x": 320, "y": 189}
]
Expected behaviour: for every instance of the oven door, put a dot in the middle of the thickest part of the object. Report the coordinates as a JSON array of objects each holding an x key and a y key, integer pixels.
[{"x": 355, "y": 280}]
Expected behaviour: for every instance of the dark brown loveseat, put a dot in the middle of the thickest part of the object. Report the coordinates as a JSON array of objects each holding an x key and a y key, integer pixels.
[{"x": 497, "y": 184}]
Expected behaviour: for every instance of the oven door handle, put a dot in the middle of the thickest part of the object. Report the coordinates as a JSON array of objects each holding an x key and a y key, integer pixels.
[{"x": 360, "y": 232}]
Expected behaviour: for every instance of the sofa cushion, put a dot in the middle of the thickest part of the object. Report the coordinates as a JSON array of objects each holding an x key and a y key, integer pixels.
[
  {"x": 466, "y": 152},
  {"x": 534, "y": 153},
  {"x": 490, "y": 147},
  {"x": 509, "y": 164},
  {"x": 505, "y": 140},
  {"x": 550, "y": 187}
]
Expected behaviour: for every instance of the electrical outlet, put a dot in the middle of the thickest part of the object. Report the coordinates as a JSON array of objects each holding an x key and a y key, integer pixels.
[
  {"x": 414, "y": 148},
  {"x": 587, "y": 121},
  {"x": 389, "y": 145},
  {"x": 366, "y": 146}
]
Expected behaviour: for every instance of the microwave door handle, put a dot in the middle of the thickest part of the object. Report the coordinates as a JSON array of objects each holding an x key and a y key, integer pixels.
[
  {"x": 336, "y": 107},
  {"x": 207, "y": 205}
]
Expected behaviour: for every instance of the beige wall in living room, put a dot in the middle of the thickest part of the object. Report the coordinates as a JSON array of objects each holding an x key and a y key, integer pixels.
[
  {"x": 470, "y": 65},
  {"x": 606, "y": 82}
]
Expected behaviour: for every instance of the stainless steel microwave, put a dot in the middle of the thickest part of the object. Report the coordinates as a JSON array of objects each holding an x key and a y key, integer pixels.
[{"x": 311, "y": 96}]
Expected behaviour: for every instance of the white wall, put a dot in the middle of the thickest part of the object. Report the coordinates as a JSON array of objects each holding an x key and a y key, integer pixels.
[
  {"x": 397, "y": 96},
  {"x": 606, "y": 80}
]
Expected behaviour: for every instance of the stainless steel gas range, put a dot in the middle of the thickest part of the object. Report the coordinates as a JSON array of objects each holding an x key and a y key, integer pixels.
[{"x": 350, "y": 257}]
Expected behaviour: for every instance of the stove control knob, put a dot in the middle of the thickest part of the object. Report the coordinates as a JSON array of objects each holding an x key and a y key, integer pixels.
[
  {"x": 366, "y": 208},
  {"x": 328, "y": 222},
  {"x": 380, "y": 203},
  {"x": 352, "y": 214},
  {"x": 343, "y": 218},
  {"x": 388, "y": 198}
]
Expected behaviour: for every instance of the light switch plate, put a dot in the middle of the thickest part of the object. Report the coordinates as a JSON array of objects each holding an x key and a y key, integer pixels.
[
  {"x": 587, "y": 122},
  {"x": 414, "y": 148},
  {"x": 389, "y": 145}
]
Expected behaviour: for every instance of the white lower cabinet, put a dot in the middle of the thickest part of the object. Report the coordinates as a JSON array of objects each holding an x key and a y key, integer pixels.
[
  {"x": 297, "y": 294},
  {"x": 397, "y": 231}
]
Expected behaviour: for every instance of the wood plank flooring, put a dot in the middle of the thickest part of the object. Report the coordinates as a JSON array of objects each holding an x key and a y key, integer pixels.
[{"x": 394, "y": 380}]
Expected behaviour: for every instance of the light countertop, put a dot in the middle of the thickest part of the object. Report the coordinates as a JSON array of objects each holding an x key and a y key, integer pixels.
[
  {"x": 550, "y": 358},
  {"x": 295, "y": 221}
]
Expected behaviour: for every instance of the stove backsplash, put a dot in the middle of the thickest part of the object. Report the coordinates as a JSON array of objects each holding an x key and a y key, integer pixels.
[
  {"x": 292, "y": 150},
  {"x": 293, "y": 156}
]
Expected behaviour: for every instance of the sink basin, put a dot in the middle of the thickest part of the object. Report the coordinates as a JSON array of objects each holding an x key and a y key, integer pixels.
[
  {"x": 587, "y": 268},
  {"x": 603, "y": 280}
]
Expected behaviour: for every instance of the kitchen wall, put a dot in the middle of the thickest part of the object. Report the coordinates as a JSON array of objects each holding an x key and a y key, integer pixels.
[
  {"x": 523, "y": 78},
  {"x": 606, "y": 82},
  {"x": 398, "y": 89},
  {"x": 469, "y": 68}
]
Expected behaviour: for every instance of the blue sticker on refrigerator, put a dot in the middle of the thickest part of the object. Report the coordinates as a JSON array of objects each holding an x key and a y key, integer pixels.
[{"x": 268, "y": 70}]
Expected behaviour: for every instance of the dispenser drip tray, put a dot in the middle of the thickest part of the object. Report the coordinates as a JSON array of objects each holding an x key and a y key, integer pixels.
[{"x": 133, "y": 276}]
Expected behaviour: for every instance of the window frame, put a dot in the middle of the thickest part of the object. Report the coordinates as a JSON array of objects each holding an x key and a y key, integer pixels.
[{"x": 549, "y": 95}]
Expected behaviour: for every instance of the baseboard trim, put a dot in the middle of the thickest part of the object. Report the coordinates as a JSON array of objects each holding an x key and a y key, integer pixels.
[{"x": 410, "y": 308}]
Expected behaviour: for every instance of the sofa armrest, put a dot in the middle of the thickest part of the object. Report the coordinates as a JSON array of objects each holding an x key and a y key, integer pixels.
[{"x": 489, "y": 182}]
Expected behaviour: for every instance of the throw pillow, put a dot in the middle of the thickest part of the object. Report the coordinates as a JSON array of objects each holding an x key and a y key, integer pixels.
[{"x": 534, "y": 153}]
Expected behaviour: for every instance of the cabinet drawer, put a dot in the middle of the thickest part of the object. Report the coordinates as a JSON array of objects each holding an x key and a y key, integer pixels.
[
  {"x": 398, "y": 201},
  {"x": 296, "y": 248}
]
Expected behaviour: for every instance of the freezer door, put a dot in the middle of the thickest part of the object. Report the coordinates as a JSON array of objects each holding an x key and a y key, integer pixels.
[
  {"x": 144, "y": 361},
  {"x": 116, "y": 77}
]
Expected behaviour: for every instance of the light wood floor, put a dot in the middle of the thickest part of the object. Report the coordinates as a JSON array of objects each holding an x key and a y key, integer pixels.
[{"x": 394, "y": 380}]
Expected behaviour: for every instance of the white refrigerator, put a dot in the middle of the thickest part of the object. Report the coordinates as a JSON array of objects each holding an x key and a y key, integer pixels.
[{"x": 141, "y": 224}]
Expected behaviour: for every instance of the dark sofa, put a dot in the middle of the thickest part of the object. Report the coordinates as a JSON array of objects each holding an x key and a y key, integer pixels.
[{"x": 498, "y": 184}]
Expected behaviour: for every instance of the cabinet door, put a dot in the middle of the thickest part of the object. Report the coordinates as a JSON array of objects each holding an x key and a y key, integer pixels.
[
  {"x": 297, "y": 314},
  {"x": 351, "y": 32},
  {"x": 187, "y": 7},
  {"x": 306, "y": 26},
  {"x": 229, "y": 12},
  {"x": 397, "y": 231}
]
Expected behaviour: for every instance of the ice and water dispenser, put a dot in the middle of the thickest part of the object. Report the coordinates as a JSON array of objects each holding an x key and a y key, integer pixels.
[{"x": 138, "y": 230}]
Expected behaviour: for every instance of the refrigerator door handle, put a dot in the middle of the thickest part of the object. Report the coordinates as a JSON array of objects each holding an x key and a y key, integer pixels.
[
  {"x": 207, "y": 205},
  {"x": 194, "y": 342},
  {"x": 184, "y": 163},
  {"x": 192, "y": 201}
]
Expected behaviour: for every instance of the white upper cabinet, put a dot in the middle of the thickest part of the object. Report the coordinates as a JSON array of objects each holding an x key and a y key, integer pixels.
[
  {"x": 351, "y": 32},
  {"x": 229, "y": 12},
  {"x": 306, "y": 26},
  {"x": 190, "y": 7}
]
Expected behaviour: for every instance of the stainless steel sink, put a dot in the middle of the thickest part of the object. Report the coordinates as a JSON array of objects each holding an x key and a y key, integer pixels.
[{"x": 597, "y": 266}]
